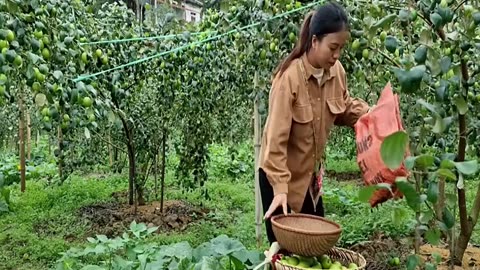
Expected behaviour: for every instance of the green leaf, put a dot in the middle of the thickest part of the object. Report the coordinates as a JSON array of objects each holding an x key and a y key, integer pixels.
[
  {"x": 87, "y": 133},
  {"x": 57, "y": 74},
  {"x": 400, "y": 214},
  {"x": 436, "y": 20},
  {"x": 365, "y": 193},
  {"x": 447, "y": 164},
  {"x": 428, "y": 106},
  {"x": 393, "y": 149},
  {"x": 445, "y": 64},
  {"x": 412, "y": 262},
  {"x": 391, "y": 44},
  {"x": 40, "y": 99},
  {"x": 451, "y": 199},
  {"x": 424, "y": 161},
  {"x": 385, "y": 21},
  {"x": 404, "y": 15},
  {"x": 102, "y": 238},
  {"x": 92, "y": 267},
  {"x": 467, "y": 167},
  {"x": 411, "y": 195},
  {"x": 208, "y": 263},
  {"x": 441, "y": 124},
  {"x": 433, "y": 192},
  {"x": 226, "y": 246},
  {"x": 430, "y": 266},
  {"x": 426, "y": 216},
  {"x": 410, "y": 162},
  {"x": 426, "y": 37},
  {"x": 410, "y": 80},
  {"x": 448, "y": 174},
  {"x": 433, "y": 236},
  {"x": 421, "y": 54},
  {"x": 448, "y": 218}
]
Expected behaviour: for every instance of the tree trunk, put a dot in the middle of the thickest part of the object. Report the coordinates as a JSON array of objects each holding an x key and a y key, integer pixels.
[
  {"x": 110, "y": 150},
  {"x": 162, "y": 184},
  {"x": 29, "y": 137},
  {"x": 60, "y": 154},
  {"x": 131, "y": 160},
  {"x": 21, "y": 137},
  {"x": 465, "y": 227}
]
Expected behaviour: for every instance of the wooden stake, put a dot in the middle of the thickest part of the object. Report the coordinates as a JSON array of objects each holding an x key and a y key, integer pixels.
[{"x": 258, "y": 199}]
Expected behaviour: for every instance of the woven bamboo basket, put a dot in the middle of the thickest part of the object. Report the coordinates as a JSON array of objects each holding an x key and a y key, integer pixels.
[
  {"x": 305, "y": 235},
  {"x": 344, "y": 256}
]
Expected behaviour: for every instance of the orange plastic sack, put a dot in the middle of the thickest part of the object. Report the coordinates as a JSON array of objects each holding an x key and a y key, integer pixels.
[{"x": 370, "y": 131}]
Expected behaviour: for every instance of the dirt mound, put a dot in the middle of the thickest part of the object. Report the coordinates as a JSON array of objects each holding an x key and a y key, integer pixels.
[
  {"x": 113, "y": 218},
  {"x": 380, "y": 250},
  {"x": 471, "y": 259},
  {"x": 344, "y": 176}
]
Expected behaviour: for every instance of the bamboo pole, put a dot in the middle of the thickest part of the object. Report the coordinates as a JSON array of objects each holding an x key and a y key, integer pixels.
[{"x": 258, "y": 200}]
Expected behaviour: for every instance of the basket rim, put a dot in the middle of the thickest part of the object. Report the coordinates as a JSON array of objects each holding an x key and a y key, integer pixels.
[{"x": 290, "y": 229}]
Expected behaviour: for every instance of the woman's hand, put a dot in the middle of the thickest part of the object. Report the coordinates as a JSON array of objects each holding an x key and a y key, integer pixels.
[{"x": 278, "y": 200}]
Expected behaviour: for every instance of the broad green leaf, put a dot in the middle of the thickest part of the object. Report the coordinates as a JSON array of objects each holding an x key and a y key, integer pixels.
[
  {"x": 410, "y": 162},
  {"x": 399, "y": 215},
  {"x": 421, "y": 54},
  {"x": 40, "y": 99},
  {"x": 226, "y": 246},
  {"x": 448, "y": 218},
  {"x": 424, "y": 161},
  {"x": 447, "y": 164},
  {"x": 391, "y": 44},
  {"x": 430, "y": 266},
  {"x": 412, "y": 262},
  {"x": 433, "y": 192},
  {"x": 102, "y": 238},
  {"x": 408, "y": 190},
  {"x": 404, "y": 15},
  {"x": 433, "y": 236},
  {"x": 426, "y": 216},
  {"x": 410, "y": 80},
  {"x": 445, "y": 64},
  {"x": 448, "y": 174},
  {"x": 436, "y": 19},
  {"x": 385, "y": 21},
  {"x": 92, "y": 267},
  {"x": 57, "y": 74},
  {"x": 393, "y": 149},
  {"x": 467, "y": 167},
  {"x": 451, "y": 199},
  {"x": 365, "y": 193},
  {"x": 208, "y": 263},
  {"x": 428, "y": 106},
  {"x": 441, "y": 124},
  {"x": 426, "y": 37},
  {"x": 87, "y": 133},
  {"x": 5, "y": 192}
]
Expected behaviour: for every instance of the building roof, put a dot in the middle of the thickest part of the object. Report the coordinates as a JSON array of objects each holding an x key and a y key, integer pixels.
[{"x": 195, "y": 2}]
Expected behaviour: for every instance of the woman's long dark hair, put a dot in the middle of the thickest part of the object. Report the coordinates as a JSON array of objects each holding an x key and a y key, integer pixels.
[{"x": 328, "y": 18}]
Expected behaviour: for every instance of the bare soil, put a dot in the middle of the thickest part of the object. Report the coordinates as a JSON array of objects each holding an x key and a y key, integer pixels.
[
  {"x": 113, "y": 218},
  {"x": 471, "y": 259},
  {"x": 344, "y": 176}
]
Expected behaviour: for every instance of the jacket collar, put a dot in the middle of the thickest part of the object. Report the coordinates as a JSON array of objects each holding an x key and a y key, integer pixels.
[{"x": 310, "y": 71}]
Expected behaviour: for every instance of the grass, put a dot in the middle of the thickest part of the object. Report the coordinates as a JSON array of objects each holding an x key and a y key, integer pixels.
[{"x": 45, "y": 216}]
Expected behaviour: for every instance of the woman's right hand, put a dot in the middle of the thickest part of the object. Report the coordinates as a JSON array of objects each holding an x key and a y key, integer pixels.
[{"x": 278, "y": 200}]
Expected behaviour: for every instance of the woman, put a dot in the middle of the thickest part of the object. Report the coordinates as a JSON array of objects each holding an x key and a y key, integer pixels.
[{"x": 308, "y": 96}]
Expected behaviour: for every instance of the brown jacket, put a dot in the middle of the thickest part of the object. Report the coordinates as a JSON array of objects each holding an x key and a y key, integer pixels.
[{"x": 302, "y": 110}]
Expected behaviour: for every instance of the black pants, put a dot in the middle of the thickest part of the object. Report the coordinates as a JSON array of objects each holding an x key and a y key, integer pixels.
[{"x": 266, "y": 192}]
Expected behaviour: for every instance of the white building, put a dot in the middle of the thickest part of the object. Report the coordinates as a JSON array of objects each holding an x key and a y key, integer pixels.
[{"x": 188, "y": 10}]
